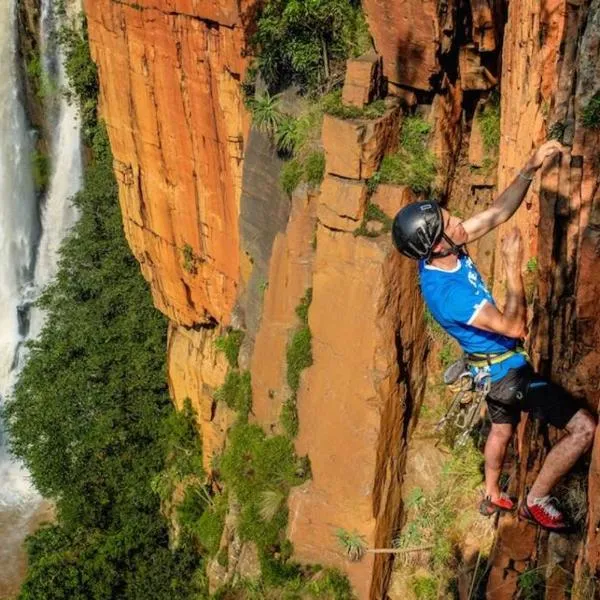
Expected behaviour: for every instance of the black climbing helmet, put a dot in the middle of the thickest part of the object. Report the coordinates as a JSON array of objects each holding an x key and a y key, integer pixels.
[{"x": 418, "y": 227}]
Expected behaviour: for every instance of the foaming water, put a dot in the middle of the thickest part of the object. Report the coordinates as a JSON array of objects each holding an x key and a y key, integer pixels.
[{"x": 31, "y": 231}]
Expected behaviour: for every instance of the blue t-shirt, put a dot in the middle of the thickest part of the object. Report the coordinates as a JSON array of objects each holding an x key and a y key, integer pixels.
[{"x": 454, "y": 298}]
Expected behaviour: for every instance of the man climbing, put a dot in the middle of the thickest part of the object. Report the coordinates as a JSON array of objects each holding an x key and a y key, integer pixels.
[{"x": 459, "y": 300}]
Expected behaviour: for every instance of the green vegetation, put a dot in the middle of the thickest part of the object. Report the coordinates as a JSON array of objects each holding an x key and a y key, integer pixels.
[
  {"x": 82, "y": 74},
  {"x": 236, "y": 392},
  {"x": 489, "y": 123},
  {"x": 266, "y": 115},
  {"x": 436, "y": 519},
  {"x": 532, "y": 265},
  {"x": 90, "y": 414},
  {"x": 202, "y": 518},
  {"x": 230, "y": 344},
  {"x": 590, "y": 115},
  {"x": 299, "y": 357},
  {"x": 425, "y": 588},
  {"x": 314, "y": 168},
  {"x": 306, "y": 42},
  {"x": 41, "y": 170},
  {"x": 532, "y": 585},
  {"x": 39, "y": 78},
  {"x": 353, "y": 544},
  {"x": 373, "y": 213},
  {"x": 289, "y": 417},
  {"x": 332, "y": 104},
  {"x": 253, "y": 465},
  {"x": 413, "y": 164},
  {"x": 190, "y": 260},
  {"x": 311, "y": 170},
  {"x": 291, "y": 176},
  {"x": 299, "y": 353}
]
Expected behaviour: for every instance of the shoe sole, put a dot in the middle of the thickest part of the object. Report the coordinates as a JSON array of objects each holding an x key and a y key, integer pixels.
[
  {"x": 495, "y": 510},
  {"x": 527, "y": 516}
]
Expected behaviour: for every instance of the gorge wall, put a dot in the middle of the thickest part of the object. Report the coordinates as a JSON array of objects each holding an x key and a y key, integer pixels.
[{"x": 205, "y": 217}]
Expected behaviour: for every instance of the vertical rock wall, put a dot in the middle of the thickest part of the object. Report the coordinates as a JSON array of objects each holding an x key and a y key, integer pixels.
[
  {"x": 544, "y": 91},
  {"x": 170, "y": 95}
]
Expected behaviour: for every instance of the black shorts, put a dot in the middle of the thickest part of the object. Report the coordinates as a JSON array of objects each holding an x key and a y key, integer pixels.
[{"x": 521, "y": 389}]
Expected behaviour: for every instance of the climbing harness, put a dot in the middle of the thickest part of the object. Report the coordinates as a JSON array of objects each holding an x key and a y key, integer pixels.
[
  {"x": 470, "y": 391},
  {"x": 480, "y": 361},
  {"x": 469, "y": 377}
]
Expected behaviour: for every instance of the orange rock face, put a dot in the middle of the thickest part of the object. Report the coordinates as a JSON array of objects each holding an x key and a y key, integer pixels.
[
  {"x": 352, "y": 402},
  {"x": 196, "y": 370},
  {"x": 363, "y": 80},
  {"x": 406, "y": 35},
  {"x": 354, "y": 148},
  {"x": 169, "y": 73},
  {"x": 290, "y": 274},
  {"x": 559, "y": 226}
]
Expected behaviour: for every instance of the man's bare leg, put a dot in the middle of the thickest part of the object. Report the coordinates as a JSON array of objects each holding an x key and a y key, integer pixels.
[
  {"x": 580, "y": 434},
  {"x": 495, "y": 450}
]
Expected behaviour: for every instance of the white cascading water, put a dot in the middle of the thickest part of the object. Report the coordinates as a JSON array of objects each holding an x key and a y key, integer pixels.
[
  {"x": 30, "y": 237},
  {"x": 58, "y": 214},
  {"x": 18, "y": 235}
]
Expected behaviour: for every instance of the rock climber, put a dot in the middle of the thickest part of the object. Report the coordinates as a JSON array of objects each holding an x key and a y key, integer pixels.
[{"x": 459, "y": 300}]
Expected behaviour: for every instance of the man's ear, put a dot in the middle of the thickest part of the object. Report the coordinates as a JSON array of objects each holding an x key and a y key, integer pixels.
[{"x": 439, "y": 247}]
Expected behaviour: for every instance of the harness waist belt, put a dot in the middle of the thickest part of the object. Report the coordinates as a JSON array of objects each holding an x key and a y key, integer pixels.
[{"x": 478, "y": 360}]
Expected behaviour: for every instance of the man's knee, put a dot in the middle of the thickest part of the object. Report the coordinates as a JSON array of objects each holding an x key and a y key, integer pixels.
[
  {"x": 501, "y": 432},
  {"x": 582, "y": 427}
]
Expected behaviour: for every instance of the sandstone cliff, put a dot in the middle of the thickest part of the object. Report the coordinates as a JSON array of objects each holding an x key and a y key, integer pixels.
[{"x": 219, "y": 243}]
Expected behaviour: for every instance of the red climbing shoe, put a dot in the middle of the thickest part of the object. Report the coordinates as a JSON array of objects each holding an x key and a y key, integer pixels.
[
  {"x": 503, "y": 503},
  {"x": 544, "y": 512}
]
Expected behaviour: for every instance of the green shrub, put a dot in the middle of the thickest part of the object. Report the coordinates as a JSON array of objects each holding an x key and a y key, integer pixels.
[
  {"x": 532, "y": 265},
  {"x": 373, "y": 213},
  {"x": 289, "y": 417},
  {"x": 183, "y": 449},
  {"x": 41, "y": 170},
  {"x": 590, "y": 116},
  {"x": 82, "y": 74},
  {"x": 209, "y": 528},
  {"x": 303, "y": 306},
  {"x": 307, "y": 41},
  {"x": 489, "y": 122},
  {"x": 532, "y": 585},
  {"x": 253, "y": 464},
  {"x": 412, "y": 164},
  {"x": 425, "y": 588},
  {"x": 331, "y": 584},
  {"x": 236, "y": 392},
  {"x": 291, "y": 175},
  {"x": 190, "y": 259},
  {"x": 314, "y": 168},
  {"x": 332, "y": 104},
  {"x": 266, "y": 116},
  {"x": 230, "y": 344},
  {"x": 299, "y": 356}
]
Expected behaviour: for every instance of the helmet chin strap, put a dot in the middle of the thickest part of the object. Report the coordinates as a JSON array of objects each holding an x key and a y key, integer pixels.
[{"x": 454, "y": 249}]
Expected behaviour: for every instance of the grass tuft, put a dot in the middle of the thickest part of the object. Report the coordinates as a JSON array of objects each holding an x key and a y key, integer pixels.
[
  {"x": 230, "y": 344},
  {"x": 489, "y": 122},
  {"x": 413, "y": 164},
  {"x": 236, "y": 392}
]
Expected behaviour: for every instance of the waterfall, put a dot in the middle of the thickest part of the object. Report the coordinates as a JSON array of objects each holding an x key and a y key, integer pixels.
[
  {"x": 58, "y": 214},
  {"x": 19, "y": 230},
  {"x": 31, "y": 231}
]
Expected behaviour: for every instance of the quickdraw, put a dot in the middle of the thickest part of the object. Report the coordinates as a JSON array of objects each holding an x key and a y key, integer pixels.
[{"x": 465, "y": 408}]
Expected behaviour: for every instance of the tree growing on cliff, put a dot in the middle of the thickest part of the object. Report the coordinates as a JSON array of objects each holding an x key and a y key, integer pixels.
[{"x": 305, "y": 42}]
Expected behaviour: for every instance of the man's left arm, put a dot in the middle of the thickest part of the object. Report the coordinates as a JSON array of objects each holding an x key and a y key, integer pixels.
[{"x": 510, "y": 199}]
